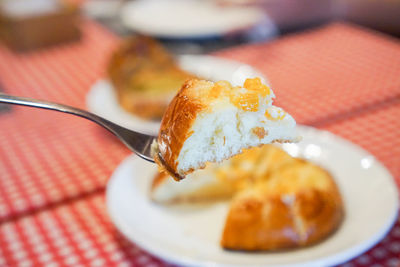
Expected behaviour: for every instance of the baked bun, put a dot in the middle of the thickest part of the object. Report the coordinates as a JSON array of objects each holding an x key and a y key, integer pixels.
[
  {"x": 145, "y": 77},
  {"x": 202, "y": 186},
  {"x": 220, "y": 181},
  {"x": 296, "y": 206},
  {"x": 252, "y": 165},
  {"x": 278, "y": 202},
  {"x": 210, "y": 122}
]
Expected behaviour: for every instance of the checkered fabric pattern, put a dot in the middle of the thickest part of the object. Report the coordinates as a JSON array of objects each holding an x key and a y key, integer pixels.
[
  {"x": 377, "y": 131},
  {"x": 78, "y": 234},
  {"x": 47, "y": 157},
  {"x": 54, "y": 168},
  {"x": 327, "y": 72}
]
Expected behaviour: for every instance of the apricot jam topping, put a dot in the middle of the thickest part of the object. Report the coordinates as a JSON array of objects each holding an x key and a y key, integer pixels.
[
  {"x": 246, "y": 97},
  {"x": 249, "y": 101},
  {"x": 246, "y": 101},
  {"x": 220, "y": 88},
  {"x": 254, "y": 84}
]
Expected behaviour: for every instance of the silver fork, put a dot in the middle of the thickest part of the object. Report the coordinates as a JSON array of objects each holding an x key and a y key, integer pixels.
[{"x": 137, "y": 142}]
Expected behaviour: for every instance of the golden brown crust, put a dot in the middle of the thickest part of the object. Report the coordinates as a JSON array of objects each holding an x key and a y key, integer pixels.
[
  {"x": 163, "y": 167},
  {"x": 253, "y": 224},
  {"x": 320, "y": 213},
  {"x": 290, "y": 213},
  {"x": 176, "y": 124}
]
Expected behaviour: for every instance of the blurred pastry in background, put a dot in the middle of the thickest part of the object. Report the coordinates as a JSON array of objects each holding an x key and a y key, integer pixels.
[
  {"x": 145, "y": 76},
  {"x": 277, "y": 201}
]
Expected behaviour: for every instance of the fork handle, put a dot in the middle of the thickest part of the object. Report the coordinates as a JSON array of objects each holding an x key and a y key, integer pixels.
[
  {"x": 25, "y": 101},
  {"x": 120, "y": 132}
]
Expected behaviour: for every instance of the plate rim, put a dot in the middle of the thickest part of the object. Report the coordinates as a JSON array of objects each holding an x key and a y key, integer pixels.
[
  {"x": 335, "y": 259},
  {"x": 124, "y": 13}
]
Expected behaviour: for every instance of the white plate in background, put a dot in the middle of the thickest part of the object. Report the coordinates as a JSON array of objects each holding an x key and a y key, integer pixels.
[
  {"x": 102, "y": 100},
  {"x": 189, "y": 235},
  {"x": 189, "y": 18},
  {"x": 101, "y": 9}
]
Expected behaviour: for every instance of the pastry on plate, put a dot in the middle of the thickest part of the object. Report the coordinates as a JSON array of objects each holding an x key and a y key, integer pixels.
[
  {"x": 252, "y": 165},
  {"x": 296, "y": 206},
  {"x": 210, "y": 122},
  {"x": 277, "y": 202},
  {"x": 220, "y": 181},
  {"x": 203, "y": 186},
  {"x": 145, "y": 76}
]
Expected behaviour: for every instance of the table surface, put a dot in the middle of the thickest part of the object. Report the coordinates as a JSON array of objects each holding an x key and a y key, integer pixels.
[{"x": 54, "y": 168}]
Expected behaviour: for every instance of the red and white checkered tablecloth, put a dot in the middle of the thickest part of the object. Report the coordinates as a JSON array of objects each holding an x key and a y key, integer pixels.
[
  {"x": 54, "y": 168},
  {"x": 377, "y": 131},
  {"x": 45, "y": 157},
  {"x": 76, "y": 234},
  {"x": 328, "y": 72}
]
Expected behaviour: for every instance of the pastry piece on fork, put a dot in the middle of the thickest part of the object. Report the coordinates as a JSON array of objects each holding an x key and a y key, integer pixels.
[{"x": 210, "y": 122}]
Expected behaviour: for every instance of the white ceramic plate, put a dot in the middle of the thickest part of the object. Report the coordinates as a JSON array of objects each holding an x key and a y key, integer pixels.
[
  {"x": 188, "y": 18},
  {"x": 101, "y": 98},
  {"x": 101, "y": 9},
  {"x": 189, "y": 235}
]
